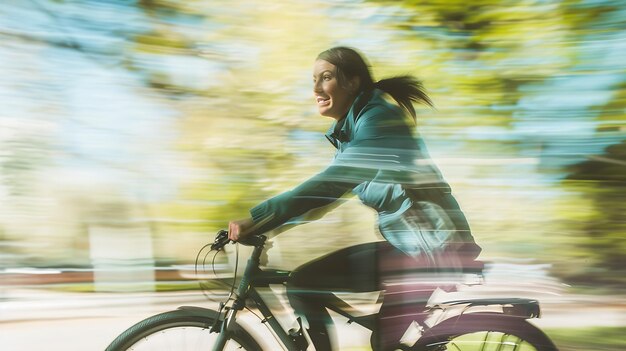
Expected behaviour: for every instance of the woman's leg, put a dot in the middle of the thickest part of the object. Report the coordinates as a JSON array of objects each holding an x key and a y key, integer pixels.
[
  {"x": 311, "y": 285},
  {"x": 408, "y": 283},
  {"x": 367, "y": 267},
  {"x": 406, "y": 293}
]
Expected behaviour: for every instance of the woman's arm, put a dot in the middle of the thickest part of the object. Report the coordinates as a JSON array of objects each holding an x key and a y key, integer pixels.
[{"x": 371, "y": 151}]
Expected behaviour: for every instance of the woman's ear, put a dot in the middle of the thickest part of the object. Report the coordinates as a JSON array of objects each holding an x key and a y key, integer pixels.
[{"x": 354, "y": 84}]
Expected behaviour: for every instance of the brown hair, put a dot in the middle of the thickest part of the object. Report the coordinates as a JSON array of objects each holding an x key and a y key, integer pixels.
[{"x": 404, "y": 89}]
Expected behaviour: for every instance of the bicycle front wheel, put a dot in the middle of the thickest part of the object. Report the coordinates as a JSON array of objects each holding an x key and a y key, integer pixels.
[
  {"x": 180, "y": 330},
  {"x": 485, "y": 332}
]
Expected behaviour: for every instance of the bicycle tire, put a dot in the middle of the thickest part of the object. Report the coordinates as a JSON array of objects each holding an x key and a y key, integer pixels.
[
  {"x": 476, "y": 331},
  {"x": 182, "y": 329}
]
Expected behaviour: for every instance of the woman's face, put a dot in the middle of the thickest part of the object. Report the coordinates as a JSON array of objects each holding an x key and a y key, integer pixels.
[{"x": 333, "y": 99}]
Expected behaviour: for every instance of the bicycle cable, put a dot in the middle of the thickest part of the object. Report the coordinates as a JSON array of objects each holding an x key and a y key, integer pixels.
[
  {"x": 198, "y": 257},
  {"x": 200, "y": 282},
  {"x": 205, "y": 286},
  {"x": 213, "y": 263},
  {"x": 263, "y": 320},
  {"x": 232, "y": 288},
  {"x": 200, "y": 267}
]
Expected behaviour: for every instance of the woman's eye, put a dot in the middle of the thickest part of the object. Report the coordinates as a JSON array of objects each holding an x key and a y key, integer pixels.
[{"x": 327, "y": 77}]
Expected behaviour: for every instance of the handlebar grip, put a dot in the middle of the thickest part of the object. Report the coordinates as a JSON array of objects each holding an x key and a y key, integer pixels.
[{"x": 221, "y": 240}]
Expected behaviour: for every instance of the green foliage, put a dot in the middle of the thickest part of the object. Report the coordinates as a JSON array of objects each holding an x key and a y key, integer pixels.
[
  {"x": 542, "y": 37},
  {"x": 603, "y": 180},
  {"x": 235, "y": 79},
  {"x": 585, "y": 339}
]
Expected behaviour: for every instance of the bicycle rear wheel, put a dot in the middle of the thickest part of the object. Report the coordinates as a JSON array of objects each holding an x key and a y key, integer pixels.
[
  {"x": 485, "y": 332},
  {"x": 180, "y": 330}
]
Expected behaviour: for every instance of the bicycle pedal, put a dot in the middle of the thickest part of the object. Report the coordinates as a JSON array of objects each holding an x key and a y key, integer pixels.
[
  {"x": 299, "y": 339},
  {"x": 297, "y": 335}
]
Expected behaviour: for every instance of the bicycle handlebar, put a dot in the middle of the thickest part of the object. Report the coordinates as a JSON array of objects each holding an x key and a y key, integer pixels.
[{"x": 221, "y": 239}]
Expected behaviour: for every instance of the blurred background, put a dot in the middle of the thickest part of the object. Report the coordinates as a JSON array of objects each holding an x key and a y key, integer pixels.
[{"x": 132, "y": 130}]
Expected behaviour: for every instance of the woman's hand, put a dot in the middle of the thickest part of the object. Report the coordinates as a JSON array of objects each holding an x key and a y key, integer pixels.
[{"x": 239, "y": 229}]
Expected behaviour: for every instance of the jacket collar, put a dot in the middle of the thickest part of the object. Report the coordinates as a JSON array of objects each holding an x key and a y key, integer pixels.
[{"x": 339, "y": 131}]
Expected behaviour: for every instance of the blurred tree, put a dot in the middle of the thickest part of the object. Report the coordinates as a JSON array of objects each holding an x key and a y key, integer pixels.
[
  {"x": 603, "y": 179},
  {"x": 236, "y": 76}
]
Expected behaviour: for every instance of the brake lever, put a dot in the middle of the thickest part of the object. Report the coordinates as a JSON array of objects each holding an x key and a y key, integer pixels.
[{"x": 221, "y": 239}]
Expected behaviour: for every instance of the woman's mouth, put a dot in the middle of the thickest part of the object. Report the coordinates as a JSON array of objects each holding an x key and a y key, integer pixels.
[{"x": 321, "y": 101}]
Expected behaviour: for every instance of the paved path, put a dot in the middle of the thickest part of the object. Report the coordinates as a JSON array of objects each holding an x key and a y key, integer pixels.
[{"x": 32, "y": 318}]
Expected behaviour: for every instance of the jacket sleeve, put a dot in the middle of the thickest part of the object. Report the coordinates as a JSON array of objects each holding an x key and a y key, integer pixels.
[{"x": 360, "y": 161}]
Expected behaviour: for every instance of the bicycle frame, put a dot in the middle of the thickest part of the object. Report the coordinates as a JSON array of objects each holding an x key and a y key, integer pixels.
[
  {"x": 443, "y": 324},
  {"x": 254, "y": 277}
]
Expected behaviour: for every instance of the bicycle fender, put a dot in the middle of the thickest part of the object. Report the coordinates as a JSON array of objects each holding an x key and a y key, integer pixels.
[
  {"x": 202, "y": 312},
  {"x": 473, "y": 322},
  {"x": 517, "y": 307}
]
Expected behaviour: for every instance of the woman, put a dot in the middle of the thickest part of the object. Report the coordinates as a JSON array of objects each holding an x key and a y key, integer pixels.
[{"x": 381, "y": 160}]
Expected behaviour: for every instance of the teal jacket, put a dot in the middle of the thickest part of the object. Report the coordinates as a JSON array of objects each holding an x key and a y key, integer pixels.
[{"x": 380, "y": 159}]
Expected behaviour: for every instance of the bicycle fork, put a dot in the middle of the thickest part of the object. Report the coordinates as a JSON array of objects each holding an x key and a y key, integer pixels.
[
  {"x": 240, "y": 299},
  {"x": 223, "y": 334}
]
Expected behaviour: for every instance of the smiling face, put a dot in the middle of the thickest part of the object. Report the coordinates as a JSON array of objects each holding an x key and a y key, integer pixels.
[{"x": 333, "y": 99}]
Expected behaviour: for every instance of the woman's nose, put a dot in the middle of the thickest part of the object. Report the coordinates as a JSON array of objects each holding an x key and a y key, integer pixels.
[{"x": 317, "y": 87}]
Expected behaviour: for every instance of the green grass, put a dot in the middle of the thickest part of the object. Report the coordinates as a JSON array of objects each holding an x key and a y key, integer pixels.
[
  {"x": 566, "y": 339},
  {"x": 589, "y": 339},
  {"x": 487, "y": 342}
]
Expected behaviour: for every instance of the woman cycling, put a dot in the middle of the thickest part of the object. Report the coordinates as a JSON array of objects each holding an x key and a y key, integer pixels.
[{"x": 381, "y": 159}]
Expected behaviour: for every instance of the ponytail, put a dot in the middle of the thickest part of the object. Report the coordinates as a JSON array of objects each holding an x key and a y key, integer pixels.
[
  {"x": 405, "y": 90},
  {"x": 350, "y": 63}
]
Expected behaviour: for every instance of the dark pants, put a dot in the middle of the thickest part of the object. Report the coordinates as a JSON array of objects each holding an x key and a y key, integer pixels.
[{"x": 363, "y": 268}]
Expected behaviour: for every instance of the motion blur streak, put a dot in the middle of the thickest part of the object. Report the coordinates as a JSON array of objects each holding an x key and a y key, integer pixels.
[{"x": 131, "y": 131}]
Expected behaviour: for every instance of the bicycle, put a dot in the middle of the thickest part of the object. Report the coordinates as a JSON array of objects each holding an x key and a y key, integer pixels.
[{"x": 197, "y": 328}]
